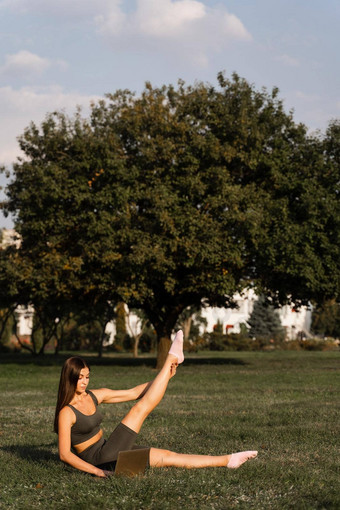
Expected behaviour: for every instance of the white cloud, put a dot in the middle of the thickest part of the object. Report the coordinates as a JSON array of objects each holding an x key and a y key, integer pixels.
[
  {"x": 61, "y": 8},
  {"x": 288, "y": 60},
  {"x": 24, "y": 64},
  {"x": 186, "y": 28},
  {"x": 165, "y": 18},
  {"x": 112, "y": 20},
  {"x": 27, "y": 65},
  {"x": 169, "y": 19},
  {"x": 310, "y": 98},
  {"x": 21, "y": 106}
]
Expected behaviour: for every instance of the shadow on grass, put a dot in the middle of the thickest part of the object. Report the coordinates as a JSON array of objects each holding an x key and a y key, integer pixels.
[
  {"x": 126, "y": 361},
  {"x": 32, "y": 452}
]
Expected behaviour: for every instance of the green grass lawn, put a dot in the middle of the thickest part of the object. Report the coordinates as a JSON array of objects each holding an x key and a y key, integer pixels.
[{"x": 284, "y": 404}]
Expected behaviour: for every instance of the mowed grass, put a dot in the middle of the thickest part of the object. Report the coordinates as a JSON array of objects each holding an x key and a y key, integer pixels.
[{"x": 284, "y": 404}]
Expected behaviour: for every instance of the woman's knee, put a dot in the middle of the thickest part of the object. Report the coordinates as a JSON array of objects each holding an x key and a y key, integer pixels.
[
  {"x": 141, "y": 409},
  {"x": 161, "y": 458},
  {"x": 135, "y": 417}
]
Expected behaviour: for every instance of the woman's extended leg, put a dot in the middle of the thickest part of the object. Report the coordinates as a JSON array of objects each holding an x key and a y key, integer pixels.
[
  {"x": 166, "y": 458},
  {"x": 136, "y": 416}
]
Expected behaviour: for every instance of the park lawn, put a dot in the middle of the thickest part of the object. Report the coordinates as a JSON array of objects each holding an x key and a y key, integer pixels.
[{"x": 284, "y": 404}]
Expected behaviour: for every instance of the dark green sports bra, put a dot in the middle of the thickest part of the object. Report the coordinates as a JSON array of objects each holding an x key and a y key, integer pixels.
[{"x": 86, "y": 426}]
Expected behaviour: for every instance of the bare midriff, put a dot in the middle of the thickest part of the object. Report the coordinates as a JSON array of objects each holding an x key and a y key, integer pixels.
[{"x": 82, "y": 446}]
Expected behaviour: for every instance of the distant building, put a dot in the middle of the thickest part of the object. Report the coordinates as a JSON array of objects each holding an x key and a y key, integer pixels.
[
  {"x": 295, "y": 322},
  {"x": 24, "y": 321}
]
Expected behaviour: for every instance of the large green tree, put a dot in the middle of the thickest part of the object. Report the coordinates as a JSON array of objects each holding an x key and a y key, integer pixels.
[{"x": 179, "y": 197}]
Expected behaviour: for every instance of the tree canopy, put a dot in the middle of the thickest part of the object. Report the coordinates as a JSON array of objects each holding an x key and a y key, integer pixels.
[{"x": 181, "y": 196}]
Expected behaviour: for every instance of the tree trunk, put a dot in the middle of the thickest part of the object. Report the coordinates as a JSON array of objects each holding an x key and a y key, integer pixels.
[
  {"x": 59, "y": 334},
  {"x": 136, "y": 344},
  {"x": 4, "y": 320},
  {"x": 186, "y": 327},
  {"x": 102, "y": 338},
  {"x": 162, "y": 351},
  {"x": 163, "y": 324},
  {"x": 22, "y": 345}
]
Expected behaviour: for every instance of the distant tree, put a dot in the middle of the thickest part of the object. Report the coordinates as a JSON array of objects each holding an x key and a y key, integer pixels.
[
  {"x": 197, "y": 323},
  {"x": 217, "y": 338},
  {"x": 11, "y": 281},
  {"x": 326, "y": 319},
  {"x": 136, "y": 327},
  {"x": 180, "y": 197},
  {"x": 7, "y": 323},
  {"x": 264, "y": 321},
  {"x": 43, "y": 282},
  {"x": 189, "y": 321},
  {"x": 120, "y": 321},
  {"x": 148, "y": 340}
]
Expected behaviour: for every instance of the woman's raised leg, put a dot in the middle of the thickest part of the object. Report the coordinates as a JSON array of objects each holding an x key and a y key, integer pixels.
[
  {"x": 137, "y": 414},
  {"x": 166, "y": 458}
]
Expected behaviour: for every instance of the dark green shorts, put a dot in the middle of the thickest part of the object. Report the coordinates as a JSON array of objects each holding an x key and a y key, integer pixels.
[{"x": 118, "y": 453}]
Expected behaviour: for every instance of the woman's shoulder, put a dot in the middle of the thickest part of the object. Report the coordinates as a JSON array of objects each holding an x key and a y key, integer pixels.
[
  {"x": 98, "y": 395},
  {"x": 66, "y": 413},
  {"x": 95, "y": 395}
]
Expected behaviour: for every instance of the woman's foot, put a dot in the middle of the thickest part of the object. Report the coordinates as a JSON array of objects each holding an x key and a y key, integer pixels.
[
  {"x": 177, "y": 346},
  {"x": 237, "y": 459}
]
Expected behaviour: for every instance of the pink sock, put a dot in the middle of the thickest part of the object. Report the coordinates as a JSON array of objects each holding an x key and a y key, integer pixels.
[
  {"x": 177, "y": 346},
  {"x": 237, "y": 459}
]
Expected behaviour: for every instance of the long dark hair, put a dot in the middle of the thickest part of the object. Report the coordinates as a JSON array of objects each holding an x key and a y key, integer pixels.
[{"x": 68, "y": 383}]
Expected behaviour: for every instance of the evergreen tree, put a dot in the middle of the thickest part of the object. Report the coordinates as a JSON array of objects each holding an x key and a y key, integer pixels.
[{"x": 265, "y": 322}]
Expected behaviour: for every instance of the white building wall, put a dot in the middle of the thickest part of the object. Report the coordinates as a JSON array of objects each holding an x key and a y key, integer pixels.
[
  {"x": 24, "y": 318},
  {"x": 294, "y": 322},
  {"x": 133, "y": 325},
  {"x": 110, "y": 330}
]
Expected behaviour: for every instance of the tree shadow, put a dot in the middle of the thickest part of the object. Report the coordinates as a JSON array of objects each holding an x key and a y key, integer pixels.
[
  {"x": 126, "y": 361},
  {"x": 215, "y": 361},
  {"x": 32, "y": 452},
  {"x": 41, "y": 454}
]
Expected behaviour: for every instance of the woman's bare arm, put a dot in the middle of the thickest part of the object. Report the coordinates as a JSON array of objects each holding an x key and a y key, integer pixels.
[{"x": 107, "y": 396}]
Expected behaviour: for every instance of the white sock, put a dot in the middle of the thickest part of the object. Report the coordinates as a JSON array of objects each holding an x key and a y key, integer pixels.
[
  {"x": 237, "y": 459},
  {"x": 177, "y": 346}
]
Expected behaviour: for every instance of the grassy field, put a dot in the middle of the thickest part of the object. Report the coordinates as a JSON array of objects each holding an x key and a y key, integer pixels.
[{"x": 284, "y": 404}]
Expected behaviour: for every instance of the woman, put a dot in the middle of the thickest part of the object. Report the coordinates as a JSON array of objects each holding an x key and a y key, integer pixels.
[{"x": 80, "y": 438}]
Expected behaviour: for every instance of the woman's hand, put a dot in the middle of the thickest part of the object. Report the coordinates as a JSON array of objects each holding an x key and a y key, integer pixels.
[
  {"x": 173, "y": 369},
  {"x": 103, "y": 473},
  {"x": 108, "y": 473}
]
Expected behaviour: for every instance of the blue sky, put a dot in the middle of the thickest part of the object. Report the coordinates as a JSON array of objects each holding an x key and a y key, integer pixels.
[{"x": 57, "y": 54}]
